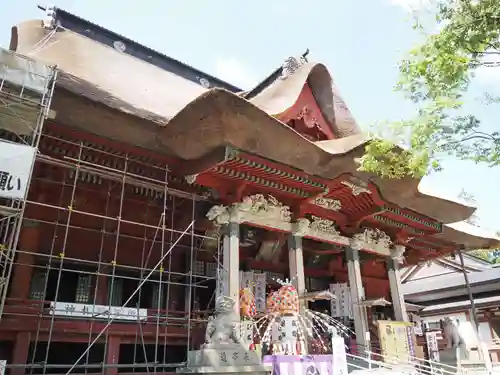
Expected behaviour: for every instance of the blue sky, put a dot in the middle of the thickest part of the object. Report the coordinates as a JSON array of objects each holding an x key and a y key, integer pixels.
[{"x": 360, "y": 41}]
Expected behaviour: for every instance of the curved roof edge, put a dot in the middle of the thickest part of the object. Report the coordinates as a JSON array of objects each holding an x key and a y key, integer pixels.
[
  {"x": 281, "y": 93},
  {"x": 219, "y": 118}
]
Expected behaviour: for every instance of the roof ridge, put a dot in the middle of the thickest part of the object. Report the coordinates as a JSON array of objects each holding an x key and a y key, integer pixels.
[{"x": 105, "y": 36}]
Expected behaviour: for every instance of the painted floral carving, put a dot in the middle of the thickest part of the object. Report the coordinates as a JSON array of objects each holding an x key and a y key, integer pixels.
[
  {"x": 328, "y": 204},
  {"x": 257, "y": 206},
  {"x": 324, "y": 226},
  {"x": 301, "y": 227},
  {"x": 356, "y": 190},
  {"x": 374, "y": 239}
]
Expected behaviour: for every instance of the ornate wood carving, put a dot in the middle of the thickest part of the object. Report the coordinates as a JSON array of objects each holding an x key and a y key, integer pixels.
[
  {"x": 373, "y": 239},
  {"x": 269, "y": 212},
  {"x": 328, "y": 203},
  {"x": 356, "y": 190},
  {"x": 306, "y": 117}
]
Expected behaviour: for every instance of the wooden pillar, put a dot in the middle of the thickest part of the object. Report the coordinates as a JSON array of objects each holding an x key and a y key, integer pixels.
[
  {"x": 231, "y": 263},
  {"x": 296, "y": 265},
  {"x": 112, "y": 355},
  {"x": 357, "y": 296},
  {"x": 397, "y": 297},
  {"x": 20, "y": 352},
  {"x": 23, "y": 268}
]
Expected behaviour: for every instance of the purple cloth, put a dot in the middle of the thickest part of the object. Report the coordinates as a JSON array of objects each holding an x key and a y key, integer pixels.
[{"x": 311, "y": 364}]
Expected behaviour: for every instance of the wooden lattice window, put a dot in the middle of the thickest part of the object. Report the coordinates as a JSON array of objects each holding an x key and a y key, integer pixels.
[
  {"x": 317, "y": 284},
  {"x": 83, "y": 289},
  {"x": 212, "y": 269},
  {"x": 37, "y": 287},
  {"x": 199, "y": 267},
  {"x": 115, "y": 291}
]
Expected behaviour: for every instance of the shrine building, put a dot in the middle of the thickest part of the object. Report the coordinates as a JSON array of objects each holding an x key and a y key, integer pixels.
[{"x": 152, "y": 173}]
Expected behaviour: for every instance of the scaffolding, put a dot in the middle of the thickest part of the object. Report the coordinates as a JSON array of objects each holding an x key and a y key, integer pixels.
[
  {"x": 26, "y": 88},
  {"x": 111, "y": 253}
]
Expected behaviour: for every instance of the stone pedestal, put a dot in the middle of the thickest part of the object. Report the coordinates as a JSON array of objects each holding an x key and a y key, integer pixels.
[{"x": 224, "y": 359}]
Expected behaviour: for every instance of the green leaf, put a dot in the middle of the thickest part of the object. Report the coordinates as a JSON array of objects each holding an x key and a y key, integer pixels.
[{"x": 435, "y": 75}]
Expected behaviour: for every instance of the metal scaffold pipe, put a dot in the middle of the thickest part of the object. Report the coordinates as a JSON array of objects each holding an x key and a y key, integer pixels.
[
  {"x": 130, "y": 298},
  {"x": 111, "y": 218},
  {"x": 69, "y": 169}
]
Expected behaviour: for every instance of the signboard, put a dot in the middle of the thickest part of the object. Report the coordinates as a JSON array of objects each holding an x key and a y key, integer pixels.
[
  {"x": 432, "y": 346},
  {"x": 341, "y": 306},
  {"x": 395, "y": 341},
  {"x": 16, "y": 161},
  {"x": 80, "y": 310},
  {"x": 259, "y": 291},
  {"x": 256, "y": 282},
  {"x": 411, "y": 341}
]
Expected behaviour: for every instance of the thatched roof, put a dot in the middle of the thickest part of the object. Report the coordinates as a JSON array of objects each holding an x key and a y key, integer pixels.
[{"x": 133, "y": 101}]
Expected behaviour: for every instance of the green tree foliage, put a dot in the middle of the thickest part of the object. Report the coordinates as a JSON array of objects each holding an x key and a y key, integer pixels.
[
  {"x": 435, "y": 77},
  {"x": 492, "y": 256}
]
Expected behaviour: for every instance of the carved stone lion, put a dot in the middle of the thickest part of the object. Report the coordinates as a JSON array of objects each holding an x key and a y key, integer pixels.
[
  {"x": 223, "y": 326},
  {"x": 451, "y": 333}
]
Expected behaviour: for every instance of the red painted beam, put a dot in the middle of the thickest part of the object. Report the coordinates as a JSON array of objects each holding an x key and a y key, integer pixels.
[{"x": 61, "y": 326}]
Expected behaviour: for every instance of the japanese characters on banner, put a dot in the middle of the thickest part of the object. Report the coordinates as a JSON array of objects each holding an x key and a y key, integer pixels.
[
  {"x": 249, "y": 279},
  {"x": 396, "y": 341},
  {"x": 256, "y": 282},
  {"x": 259, "y": 291},
  {"x": 81, "y": 310},
  {"x": 411, "y": 343},
  {"x": 16, "y": 161},
  {"x": 341, "y": 306},
  {"x": 246, "y": 280},
  {"x": 432, "y": 345},
  {"x": 285, "y": 334}
]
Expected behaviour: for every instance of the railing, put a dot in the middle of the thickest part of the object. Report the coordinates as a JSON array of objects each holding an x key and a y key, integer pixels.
[
  {"x": 415, "y": 364},
  {"x": 362, "y": 359},
  {"x": 37, "y": 309}
]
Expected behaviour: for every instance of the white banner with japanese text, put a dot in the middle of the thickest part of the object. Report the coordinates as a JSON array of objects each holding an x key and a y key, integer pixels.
[
  {"x": 16, "y": 161},
  {"x": 80, "y": 310},
  {"x": 259, "y": 291}
]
